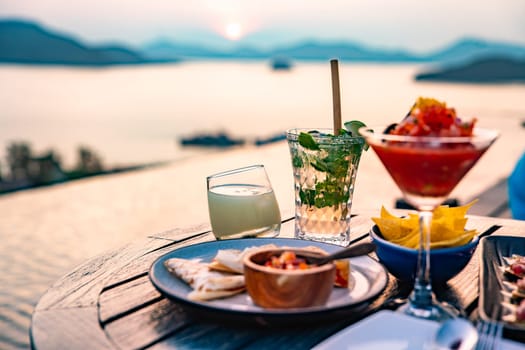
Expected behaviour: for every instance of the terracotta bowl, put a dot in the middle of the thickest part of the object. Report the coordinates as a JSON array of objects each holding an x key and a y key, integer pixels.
[{"x": 284, "y": 289}]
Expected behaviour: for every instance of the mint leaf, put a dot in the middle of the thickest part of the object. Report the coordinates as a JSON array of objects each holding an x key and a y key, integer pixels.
[
  {"x": 336, "y": 163},
  {"x": 297, "y": 162},
  {"x": 307, "y": 196},
  {"x": 308, "y": 142},
  {"x": 319, "y": 165}
]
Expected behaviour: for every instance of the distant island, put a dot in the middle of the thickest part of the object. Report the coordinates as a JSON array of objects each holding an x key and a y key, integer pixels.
[
  {"x": 467, "y": 60},
  {"x": 484, "y": 70},
  {"x": 26, "y": 170},
  {"x": 24, "y": 42}
]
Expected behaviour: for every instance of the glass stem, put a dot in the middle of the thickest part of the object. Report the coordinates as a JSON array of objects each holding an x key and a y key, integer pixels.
[{"x": 421, "y": 297}]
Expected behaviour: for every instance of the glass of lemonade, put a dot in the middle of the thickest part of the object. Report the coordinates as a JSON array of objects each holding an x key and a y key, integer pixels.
[
  {"x": 242, "y": 203},
  {"x": 324, "y": 169}
]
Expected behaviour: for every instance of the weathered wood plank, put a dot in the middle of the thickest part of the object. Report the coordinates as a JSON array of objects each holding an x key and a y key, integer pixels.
[
  {"x": 82, "y": 286},
  {"x": 509, "y": 227},
  {"x": 126, "y": 297},
  {"x": 147, "y": 325},
  {"x": 177, "y": 235},
  {"x": 224, "y": 336},
  {"x": 75, "y": 328},
  {"x": 167, "y": 326},
  {"x": 287, "y": 228},
  {"x": 141, "y": 264}
]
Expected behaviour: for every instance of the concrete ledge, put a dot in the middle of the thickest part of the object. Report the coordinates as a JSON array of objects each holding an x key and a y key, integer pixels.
[{"x": 493, "y": 202}]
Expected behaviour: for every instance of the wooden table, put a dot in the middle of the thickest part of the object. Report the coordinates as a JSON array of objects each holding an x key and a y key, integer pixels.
[{"x": 109, "y": 302}]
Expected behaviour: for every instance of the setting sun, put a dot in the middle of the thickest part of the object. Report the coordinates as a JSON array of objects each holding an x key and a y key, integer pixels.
[{"x": 233, "y": 31}]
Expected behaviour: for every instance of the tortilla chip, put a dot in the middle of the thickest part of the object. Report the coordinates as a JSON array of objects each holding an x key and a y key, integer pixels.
[{"x": 448, "y": 227}]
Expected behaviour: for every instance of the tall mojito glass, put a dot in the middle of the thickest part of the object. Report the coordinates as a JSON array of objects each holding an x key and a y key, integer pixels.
[{"x": 324, "y": 170}]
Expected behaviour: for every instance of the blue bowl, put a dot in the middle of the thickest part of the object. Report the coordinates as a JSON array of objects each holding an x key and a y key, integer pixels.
[{"x": 401, "y": 262}]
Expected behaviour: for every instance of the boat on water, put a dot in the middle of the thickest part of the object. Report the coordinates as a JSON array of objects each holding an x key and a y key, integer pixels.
[
  {"x": 220, "y": 139},
  {"x": 271, "y": 139},
  {"x": 223, "y": 140},
  {"x": 281, "y": 63}
]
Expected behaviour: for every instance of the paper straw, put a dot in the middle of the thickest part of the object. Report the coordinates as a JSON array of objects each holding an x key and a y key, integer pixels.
[{"x": 336, "y": 96}]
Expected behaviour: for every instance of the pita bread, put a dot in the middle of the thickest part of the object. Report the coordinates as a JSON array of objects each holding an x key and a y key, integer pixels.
[
  {"x": 206, "y": 284},
  {"x": 230, "y": 260}
]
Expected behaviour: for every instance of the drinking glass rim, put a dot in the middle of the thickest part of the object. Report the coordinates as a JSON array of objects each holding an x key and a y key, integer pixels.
[
  {"x": 235, "y": 171},
  {"x": 325, "y": 134},
  {"x": 479, "y": 134}
]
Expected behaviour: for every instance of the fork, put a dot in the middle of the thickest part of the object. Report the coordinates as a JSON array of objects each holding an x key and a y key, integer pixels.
[{"x": 490, "y": 333}]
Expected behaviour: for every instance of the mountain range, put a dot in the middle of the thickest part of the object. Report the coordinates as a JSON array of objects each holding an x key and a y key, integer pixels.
[
  {"x": 28, "y": 43},
  {"x": 311, "y": 50},
  {"x": 25, "y": 42}
]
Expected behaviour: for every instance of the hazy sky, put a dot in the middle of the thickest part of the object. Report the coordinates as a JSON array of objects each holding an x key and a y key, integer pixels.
[{"x": 409, "y": 24}]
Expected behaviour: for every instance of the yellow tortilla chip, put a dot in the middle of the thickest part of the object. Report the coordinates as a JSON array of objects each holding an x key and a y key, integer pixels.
[
  {"x": 448, "y": 227},
  {"x": 385, "y": 214},
  {"x": 394, "y": 228},
  {"x": 412, "y": 240},
  {"x": 455, "y": 212},
  {"x": 444, "y": 229},
  {"x": 459, "y": 240}
]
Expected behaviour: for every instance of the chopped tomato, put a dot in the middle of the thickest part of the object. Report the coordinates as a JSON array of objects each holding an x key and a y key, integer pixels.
[
  {"x": 303, "y": 265},
  {"x": 342, "y": 273},
  {"x": 288, "y": 260},
  {"x": 429, "y": 117},
  {"x": 518, "y": 269}
]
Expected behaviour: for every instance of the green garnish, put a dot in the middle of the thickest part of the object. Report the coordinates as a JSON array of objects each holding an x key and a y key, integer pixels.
[
  {"x": 354, "y": 126},
  {"x": 334, "y": 162},
  {"x": 307, "y": 141}
]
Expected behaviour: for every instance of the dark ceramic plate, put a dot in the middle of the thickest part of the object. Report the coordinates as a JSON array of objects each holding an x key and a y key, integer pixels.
[
  {"x": 370, "y": 279},
  {"x": 495, "y": 285}
]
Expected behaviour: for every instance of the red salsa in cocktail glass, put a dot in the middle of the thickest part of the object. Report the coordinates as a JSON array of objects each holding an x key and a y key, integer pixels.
[
  {"x": 425, "y": 171},
  {"x": 438, "y": 154}
]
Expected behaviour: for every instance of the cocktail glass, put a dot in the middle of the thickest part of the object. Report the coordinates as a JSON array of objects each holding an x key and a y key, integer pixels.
[
  {"x": 324, "y": 169},
  {"x": 241, "y": 203},
  {"x": 426, "y": 169}
]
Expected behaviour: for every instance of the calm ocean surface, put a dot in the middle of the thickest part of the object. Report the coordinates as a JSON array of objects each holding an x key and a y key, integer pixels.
[{"x": 134, "y": 115}]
